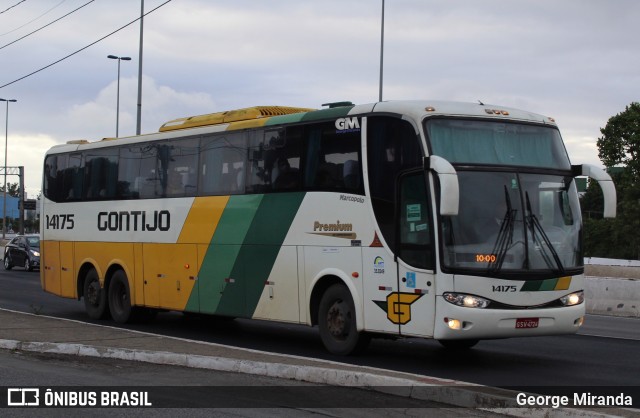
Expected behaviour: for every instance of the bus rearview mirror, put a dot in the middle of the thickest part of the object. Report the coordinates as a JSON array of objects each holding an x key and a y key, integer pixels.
[{"x": 449, "y": 190}]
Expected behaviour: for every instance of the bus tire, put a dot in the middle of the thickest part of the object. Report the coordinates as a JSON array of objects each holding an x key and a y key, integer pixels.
[
  {"x": 337, "y": 322},
  {"x": 95, "y": 297},
  {"x": 458, "y": 344},
  {"x": 120, "y": 298}
]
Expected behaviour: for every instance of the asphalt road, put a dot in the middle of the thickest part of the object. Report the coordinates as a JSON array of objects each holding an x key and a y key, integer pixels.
[
  {"x": 178, "y": 392},
  {"x": 604, "y": 353}
]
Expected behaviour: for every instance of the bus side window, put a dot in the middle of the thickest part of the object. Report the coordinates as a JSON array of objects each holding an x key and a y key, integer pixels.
[
  {"x": 393, "y": 147},
  {"x": 52, "y": 181},
  {"x": 73, "y": 177},
  {"x": 274, "y": 161},
  {"x": 415, "y": 237},
  {"x": 181, "y": 156},
  {"x": 101, "y": 174},
  {"x": 222, "y": 164},
  {"x": 332, "y": 159}
]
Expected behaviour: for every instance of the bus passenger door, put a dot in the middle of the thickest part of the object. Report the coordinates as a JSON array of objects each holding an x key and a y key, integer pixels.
[{"x": 414, "y": 303}]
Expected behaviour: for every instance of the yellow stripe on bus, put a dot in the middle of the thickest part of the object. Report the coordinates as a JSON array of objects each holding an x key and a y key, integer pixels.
[
  {"x": 202, "y": 220},
  {"x": 563, "y": 283}
]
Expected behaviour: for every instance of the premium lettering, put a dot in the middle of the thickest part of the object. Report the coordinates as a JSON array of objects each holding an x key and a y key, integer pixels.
[
  {"x": 317, "y": 226},
  {"x": 135, "y": 220}
]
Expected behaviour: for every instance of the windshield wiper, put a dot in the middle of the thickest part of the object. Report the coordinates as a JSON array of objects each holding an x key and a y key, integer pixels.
[
  {"x": 505, "y": 236},
  {"x": 535, "y": 226}
]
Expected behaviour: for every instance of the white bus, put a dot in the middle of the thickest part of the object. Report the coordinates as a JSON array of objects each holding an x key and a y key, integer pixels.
[{"x": 452, "y": 221}]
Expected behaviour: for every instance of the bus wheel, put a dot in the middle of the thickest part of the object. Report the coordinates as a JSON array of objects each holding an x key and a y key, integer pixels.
[
  {"x": 95, "y": 298},
  {"x": 119, "y": 298},
  {"x": 458, "y": 344},
  {"x": 337, "y": 322}
]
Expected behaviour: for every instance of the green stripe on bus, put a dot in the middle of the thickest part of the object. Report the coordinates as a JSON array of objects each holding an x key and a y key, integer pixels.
[
  {"x": 242, "y": 253},
  {"x": 337, "y": 112},
  {"x": 549, "y": 284},
  {"x": 221, "y": 256},
  {"x": 281, "y": 120},
  {"x": 332, "y": 113},
  {"x": 539, "y": 285},
  {"x": 258, "y": 254}
]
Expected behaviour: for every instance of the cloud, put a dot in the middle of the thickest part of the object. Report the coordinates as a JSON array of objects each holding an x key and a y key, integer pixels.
[
  {"x": 572, "y": 60},
  {"x": 28, "y": 151},
  {"x": 96, "y": 119}
]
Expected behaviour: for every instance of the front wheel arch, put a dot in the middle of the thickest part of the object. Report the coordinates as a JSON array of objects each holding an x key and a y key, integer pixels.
[{"x": 337, "y": 321}]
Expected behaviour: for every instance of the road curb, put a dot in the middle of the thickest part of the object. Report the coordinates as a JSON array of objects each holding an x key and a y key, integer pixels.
[{"x": 449, "y": 392}]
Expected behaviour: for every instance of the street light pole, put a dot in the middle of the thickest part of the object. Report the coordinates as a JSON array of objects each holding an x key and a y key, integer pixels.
[
  {"x": 381, "y": 52},
  {"x": 113, "y": 57},
  {"x": 139, "y": 113},
  {"x": 6, "y": 142}
]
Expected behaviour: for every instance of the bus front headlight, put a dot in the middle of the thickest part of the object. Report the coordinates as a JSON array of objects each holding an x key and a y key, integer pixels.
[
  {"x": 572, "y": 299},
  {"x": 466, "y": 301}
]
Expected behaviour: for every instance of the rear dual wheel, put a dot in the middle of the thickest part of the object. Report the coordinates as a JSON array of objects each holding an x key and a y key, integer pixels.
[
  {"x": 119, "y": 298},
  {"x": 115, "y": 300},
  {"x": 95, "y": 297}
]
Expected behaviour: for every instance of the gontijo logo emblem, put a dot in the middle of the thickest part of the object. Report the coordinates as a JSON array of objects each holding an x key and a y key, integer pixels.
[{"x": 398, "y": 306}]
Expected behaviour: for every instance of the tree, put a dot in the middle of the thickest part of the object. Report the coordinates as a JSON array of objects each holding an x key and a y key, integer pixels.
[
  {"x": 620, "y": 141},
  {"x": 13, "y": 189},
  {"x": 619, "y": 145}
]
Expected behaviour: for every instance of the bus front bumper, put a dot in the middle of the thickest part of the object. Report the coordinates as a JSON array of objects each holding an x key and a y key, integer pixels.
[{"x": 455, "y": 322}]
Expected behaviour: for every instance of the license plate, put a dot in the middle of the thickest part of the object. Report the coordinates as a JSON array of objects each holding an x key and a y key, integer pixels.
[{"x": 527, "y": 322}]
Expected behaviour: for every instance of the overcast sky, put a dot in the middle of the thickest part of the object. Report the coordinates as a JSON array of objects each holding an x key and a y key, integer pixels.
[{"x": 575, "y": 60}]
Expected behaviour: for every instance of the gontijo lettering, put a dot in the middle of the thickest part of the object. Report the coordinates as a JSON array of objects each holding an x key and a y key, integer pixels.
[{"x": 135, "y": 220}]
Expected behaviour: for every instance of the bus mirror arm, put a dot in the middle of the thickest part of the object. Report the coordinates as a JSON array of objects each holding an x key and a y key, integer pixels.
[
  {"x": 449, "y": 190},
  {"x": 605, "y": 182}
]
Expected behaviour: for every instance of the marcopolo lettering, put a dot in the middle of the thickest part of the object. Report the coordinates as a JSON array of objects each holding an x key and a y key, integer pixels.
[{"x": 135, "y": 220}]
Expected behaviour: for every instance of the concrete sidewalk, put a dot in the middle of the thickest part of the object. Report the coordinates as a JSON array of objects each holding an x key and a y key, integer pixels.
[{"x": 41, "y": 334}]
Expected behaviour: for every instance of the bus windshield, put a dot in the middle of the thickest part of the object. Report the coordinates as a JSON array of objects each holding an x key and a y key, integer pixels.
[
  {"x": 497, "y": 143},
  {"x": 511, "y": 223}
]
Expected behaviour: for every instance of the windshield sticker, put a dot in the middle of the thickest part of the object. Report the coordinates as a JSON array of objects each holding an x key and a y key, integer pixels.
[{"x": 414, "y": 212}]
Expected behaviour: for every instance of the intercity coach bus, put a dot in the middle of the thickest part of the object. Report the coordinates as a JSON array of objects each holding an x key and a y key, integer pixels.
[{"x": 453, "y": 221}]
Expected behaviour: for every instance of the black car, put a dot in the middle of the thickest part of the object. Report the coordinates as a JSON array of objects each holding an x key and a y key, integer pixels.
[{"x": 22, "y": 250}]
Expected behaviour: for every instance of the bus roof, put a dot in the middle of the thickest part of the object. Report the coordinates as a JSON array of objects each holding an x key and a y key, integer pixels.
[
  {"x": 258, "y": 116},
  {"x": 229, "y": 116},
  {"x": 417, "y": 108}
]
